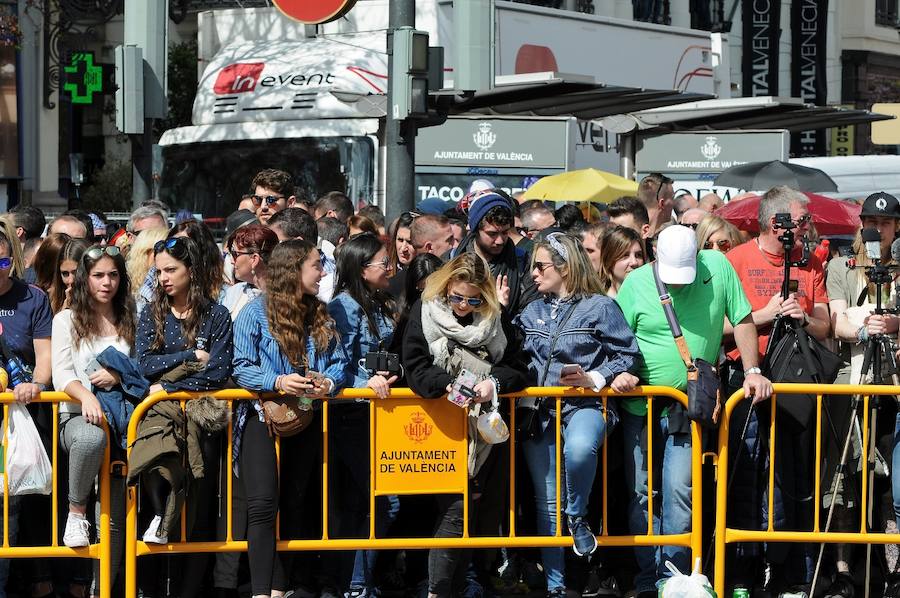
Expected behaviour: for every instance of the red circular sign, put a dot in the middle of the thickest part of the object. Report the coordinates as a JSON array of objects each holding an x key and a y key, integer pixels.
[{"x": 314, "y": 12}]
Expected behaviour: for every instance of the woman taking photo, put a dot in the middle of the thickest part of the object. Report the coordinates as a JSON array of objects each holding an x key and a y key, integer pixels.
[
  {"x": 578, "y": 337},
  {"x": 183, "y": 343},
  {"x": 278, "y": 342},
  {"x": 622, "y": 250},
  {"x": 250, "y": 247},
  {"x": 460, "y": 308},
  {"x": 365, "y": 317},
  {"x": 100, "y": 319}
]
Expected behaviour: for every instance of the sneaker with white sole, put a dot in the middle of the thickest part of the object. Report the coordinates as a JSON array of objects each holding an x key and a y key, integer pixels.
[
  {"x": 585, "y": 543},
  {"x": 152, "y": 534},
  {"x": 77, "y": 534}
]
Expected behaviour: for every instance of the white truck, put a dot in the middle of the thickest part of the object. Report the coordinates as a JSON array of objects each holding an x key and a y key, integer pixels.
[{"x": 274, "y": 94}]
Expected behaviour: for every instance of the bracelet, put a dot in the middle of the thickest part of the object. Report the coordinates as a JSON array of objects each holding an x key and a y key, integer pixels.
[
  {"x": 278, "y": 380},
  {"x": 752, "y": 370}
]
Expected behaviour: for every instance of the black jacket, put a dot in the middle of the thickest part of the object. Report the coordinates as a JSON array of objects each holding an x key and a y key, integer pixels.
[
  {"x": 430, "y": 381},
  {"x": 512, "y": 263}
]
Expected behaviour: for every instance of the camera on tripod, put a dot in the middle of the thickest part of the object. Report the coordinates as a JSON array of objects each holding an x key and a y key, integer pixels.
[{"x": 785, "y": 222}]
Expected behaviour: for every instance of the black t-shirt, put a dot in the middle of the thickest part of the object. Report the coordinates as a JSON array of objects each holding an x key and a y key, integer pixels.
[{"x": 25, "y": 315}]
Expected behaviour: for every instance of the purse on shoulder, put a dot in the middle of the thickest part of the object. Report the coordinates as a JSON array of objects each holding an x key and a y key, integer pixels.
[
  {"x": 287, "y": 416},
  {"x": 703, "y": 385}
]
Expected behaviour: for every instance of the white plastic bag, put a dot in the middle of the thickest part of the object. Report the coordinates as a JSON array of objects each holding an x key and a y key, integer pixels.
[
  {"x": 491, "y": 427},
  {"x": 695, "y": 585},
  {"x": 27, "y": 464}
]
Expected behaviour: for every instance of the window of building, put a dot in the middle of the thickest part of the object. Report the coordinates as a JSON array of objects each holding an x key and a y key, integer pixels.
[{"x": 886, "y": 13}]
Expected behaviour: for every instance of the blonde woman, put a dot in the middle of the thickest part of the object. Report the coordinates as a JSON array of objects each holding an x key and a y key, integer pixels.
[
  {"x": 577, "y": 337},
  {"x": 460, "y": 308},
  {"x": 715, "y": 232},
  {"x": 140, "y": 263}
]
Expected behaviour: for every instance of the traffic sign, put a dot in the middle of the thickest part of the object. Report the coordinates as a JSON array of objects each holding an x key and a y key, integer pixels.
[
  {"x": 83, "y": 78},
  {"x": 314, "y": 12}
]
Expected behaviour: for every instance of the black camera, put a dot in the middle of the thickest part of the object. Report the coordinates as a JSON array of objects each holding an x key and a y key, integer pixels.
[
  {"x": 382, "y": 361},
  {"x": 784, "y": 221}
]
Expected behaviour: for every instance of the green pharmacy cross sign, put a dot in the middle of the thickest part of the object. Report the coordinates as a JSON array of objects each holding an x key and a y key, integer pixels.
[{"x": 83, "y": 78}]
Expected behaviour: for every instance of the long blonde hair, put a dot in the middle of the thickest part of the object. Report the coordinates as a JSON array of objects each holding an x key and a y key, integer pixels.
[
  {"x": 469, "y": 268},
  {"x": 574, "y": 267},
  {"x": 140, "y": 256}
]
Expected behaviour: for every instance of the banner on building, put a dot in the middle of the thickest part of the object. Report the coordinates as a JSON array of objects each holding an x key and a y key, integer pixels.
[
  {"x": 809, "y": 24},
  {"x": 762, "y": 30}
]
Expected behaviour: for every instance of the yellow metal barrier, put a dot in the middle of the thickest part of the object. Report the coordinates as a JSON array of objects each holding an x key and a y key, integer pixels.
[
  {"x": 725, "y": 535},
  {"x": 380, "y": 412},
  {"x": 100, "y": 550}
]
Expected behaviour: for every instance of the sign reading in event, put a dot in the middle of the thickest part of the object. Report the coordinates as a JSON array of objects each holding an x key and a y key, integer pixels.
[
  {"x": 314, "y": 12},
  {"x": 420, "y": 447}
]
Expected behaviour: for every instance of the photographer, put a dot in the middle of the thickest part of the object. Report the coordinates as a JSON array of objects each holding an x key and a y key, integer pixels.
[
  {"x": 784, "y": 221},
  {"x": 852, "y": 293}
]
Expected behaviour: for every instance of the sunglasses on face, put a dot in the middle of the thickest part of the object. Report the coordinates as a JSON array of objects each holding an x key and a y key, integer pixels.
[
  {"x": 5, "y": 263},
  {"x": 385, "y": 263},
  {"x": 95, "y": 253},
  {"x": 457, "y": 299},
  {"x": 541, "y": 266},
  {"x": 268, "y": 199},
  {"x": 722, "y": 244},
  {"x": 804, "y": 220}
]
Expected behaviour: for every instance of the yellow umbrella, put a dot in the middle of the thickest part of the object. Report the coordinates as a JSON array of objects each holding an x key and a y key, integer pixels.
[{"x": 588, "y": 184}]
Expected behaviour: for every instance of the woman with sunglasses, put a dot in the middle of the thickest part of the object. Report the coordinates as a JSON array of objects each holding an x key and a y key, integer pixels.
[
  {"x": 460, "y": 307},
  {"x": 101, "y": 317},
  {"x": 250, "y": 247},
  {"x": 717, "y": 233},
  {"x": 365, "y": 316},
  {"x": 67, "y": 263},
  {"x": 183, "y": 343},
  {"x": 578, "y": 337},
  {"x": 278, "y": 341},
  {"x": 621, "y": 251}
]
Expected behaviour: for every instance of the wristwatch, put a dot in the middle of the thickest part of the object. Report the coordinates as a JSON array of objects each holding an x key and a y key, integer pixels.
[{"x": 753, "y": 370}]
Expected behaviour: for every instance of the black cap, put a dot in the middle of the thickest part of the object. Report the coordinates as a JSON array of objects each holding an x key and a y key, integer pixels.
[
  {"x": 881, "y": 204},
  {"x": 238, "y": 219}
]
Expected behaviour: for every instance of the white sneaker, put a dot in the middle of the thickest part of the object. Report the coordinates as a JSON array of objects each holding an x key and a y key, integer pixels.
[
  {"x": 152, "y": 534},
  {"x": 77, "y": 531}
]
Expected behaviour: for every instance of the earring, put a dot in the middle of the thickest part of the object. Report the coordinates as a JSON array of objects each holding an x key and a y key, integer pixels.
[{"x": 253, "y": 271}]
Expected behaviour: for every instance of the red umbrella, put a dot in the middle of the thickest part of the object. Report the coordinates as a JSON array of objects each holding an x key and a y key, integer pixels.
[{"x": 830, "y": 216}]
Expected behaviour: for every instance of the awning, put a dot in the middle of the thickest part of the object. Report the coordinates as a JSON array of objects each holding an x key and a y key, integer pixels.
[
  {"x": 766, "y": 112},
  {"x": 560, "y": 94}
]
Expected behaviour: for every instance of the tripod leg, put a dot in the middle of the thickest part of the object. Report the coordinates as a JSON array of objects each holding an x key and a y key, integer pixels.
[{"x": 873, "y": 410}]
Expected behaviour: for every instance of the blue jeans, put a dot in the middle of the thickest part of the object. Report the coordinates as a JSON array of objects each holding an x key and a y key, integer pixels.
[
  {"x": 583, "y": 434},
  {"x": 676, "y": 494}
]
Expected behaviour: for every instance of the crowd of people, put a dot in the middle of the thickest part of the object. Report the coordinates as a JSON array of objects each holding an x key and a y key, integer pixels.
[{"x": 508, "y": 294}]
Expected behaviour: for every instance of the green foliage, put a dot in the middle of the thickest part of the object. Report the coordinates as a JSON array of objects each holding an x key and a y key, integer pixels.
[
  {"x": 109, "y": 189},
  {"x": 182, "y": 82}
]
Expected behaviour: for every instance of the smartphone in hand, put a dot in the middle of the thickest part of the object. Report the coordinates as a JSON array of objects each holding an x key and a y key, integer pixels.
[
  {"x": 463, "y": 388},
  {"x": 571, "y": 368}
]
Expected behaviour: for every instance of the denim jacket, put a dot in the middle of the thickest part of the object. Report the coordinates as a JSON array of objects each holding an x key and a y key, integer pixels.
[
  {"x": 595, "y": 336},
  {"x": 356, "y": 337}
]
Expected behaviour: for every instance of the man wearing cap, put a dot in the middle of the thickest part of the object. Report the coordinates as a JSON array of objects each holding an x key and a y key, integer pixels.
[
  {"x": 490, "y": 220},
  {"x": 705, "y": 290},
  {"x": 852, "y": 304},
  {"x": 760, "y": 266}
]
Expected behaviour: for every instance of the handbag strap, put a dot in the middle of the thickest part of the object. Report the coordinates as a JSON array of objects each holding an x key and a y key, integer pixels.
[
  {"x": 672, "y": 319},
  {"x": 555, "y": 338}
]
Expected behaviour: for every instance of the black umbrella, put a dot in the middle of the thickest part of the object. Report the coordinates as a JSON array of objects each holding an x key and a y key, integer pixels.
[{"x": 760, "y": 176}]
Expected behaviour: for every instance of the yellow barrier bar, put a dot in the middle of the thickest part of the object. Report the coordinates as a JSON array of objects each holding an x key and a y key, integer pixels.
[
  {"x": 372, "y": 470},
  {"x": 692, "y": 539},
  {"x": 512, "y": 469},
  {"x": 725, "y": 535},
  {"x": 229, "y": 475},
  {"x": 101, "y": 550}
]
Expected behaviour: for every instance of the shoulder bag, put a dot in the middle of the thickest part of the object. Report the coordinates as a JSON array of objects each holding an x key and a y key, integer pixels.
[
  {"x": 286, "y": 416},
  {"x": 703, "y": 390}
]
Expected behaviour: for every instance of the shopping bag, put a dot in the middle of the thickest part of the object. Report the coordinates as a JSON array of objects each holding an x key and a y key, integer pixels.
[
  {"x": 679, "y": 585},
  {"x": 27, "y": 466}
]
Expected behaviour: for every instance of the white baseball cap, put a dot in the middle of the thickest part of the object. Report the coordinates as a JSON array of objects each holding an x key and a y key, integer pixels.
[{"x": 676, "y": 254}]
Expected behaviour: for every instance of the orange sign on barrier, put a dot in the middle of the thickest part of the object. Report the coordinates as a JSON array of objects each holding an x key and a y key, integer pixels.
[{"x": 420, "y": 447}]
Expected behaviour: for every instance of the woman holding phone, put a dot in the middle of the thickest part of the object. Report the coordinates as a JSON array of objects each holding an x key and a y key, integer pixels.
[
  {"x": 460, "y": 310},
  {"x": 577, "y": 337},
  {"x": 281, "y": 344}
]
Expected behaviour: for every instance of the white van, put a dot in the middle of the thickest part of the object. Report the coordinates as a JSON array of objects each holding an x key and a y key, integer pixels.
[{"x": 857, "y": 177}]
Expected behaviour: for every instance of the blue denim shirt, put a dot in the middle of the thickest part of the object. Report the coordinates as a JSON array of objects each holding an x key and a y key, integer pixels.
[
  {"x": 356, "y": 337},
  {"x": 595, "y": 336}
]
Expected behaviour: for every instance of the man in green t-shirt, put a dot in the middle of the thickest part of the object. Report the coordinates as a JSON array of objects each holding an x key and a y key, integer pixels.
[{"x": 705, "y": 290}]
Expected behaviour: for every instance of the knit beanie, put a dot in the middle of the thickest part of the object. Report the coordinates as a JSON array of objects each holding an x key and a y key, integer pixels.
[{"x": 483, "y": 204}]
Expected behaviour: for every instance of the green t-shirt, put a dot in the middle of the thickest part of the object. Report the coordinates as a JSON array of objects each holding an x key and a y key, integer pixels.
[{"x": 701, "y": 308}]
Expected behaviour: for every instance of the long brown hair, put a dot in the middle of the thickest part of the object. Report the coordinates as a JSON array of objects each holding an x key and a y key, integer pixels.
[
  {"x": 290, "y": 320},
  {"x": 185, "y": 251},
  {"x": 72, "y": 250},
  {"x": 46, "y": 260},
  {"x": 615, "y": 245},
  {"x": 85, "y": 324}
]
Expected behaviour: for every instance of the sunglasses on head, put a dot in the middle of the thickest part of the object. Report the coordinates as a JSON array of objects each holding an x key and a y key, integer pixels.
[
  {"x": 168, "y": 245},
  {"x": 457, "y": 299},
  {"x": 96, "y": 252}
]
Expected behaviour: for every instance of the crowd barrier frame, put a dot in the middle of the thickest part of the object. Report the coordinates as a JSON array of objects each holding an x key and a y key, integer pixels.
[
  {"x": 692, "y": 539},
  {"x": 725, "y": 535},
  {"x": 101, "y": 550}
]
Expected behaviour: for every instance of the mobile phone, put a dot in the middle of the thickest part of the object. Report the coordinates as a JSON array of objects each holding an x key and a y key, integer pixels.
[
  {"x": 316, "y": 378},
  {"x": 463, "y": 388},
  {"x": 92, "y": 367},
  {"x": 793, "y": 285},
  {"x": 570, "y": 368}
]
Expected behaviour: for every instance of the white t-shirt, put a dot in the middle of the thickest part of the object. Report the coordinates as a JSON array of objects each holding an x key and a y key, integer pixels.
[{"x": 69, "y": 362}]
